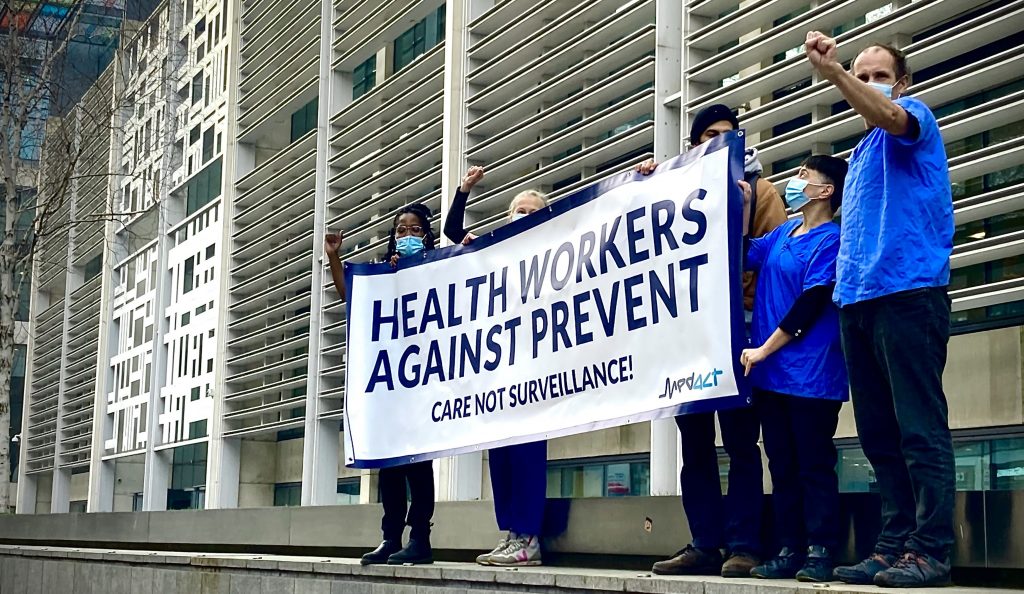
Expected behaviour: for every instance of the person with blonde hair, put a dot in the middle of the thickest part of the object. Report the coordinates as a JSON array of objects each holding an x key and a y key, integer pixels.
[{"x": 518, "y": 472}]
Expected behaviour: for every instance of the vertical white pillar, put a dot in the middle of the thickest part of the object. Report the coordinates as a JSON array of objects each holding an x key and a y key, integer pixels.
[
  {"x": 28, "y": 483},
  {"x": 224, "y": 454},
  {"x": 668, "y": 71},
  {"x": 320, "y": 447},
  {"x": 459, "y": 477}
]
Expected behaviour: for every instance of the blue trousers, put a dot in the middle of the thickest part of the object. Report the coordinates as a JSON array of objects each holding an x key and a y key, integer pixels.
[{"x": 519, "y": 485}]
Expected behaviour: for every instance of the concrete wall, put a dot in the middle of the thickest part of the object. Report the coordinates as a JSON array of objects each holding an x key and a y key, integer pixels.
[
  {"x": 982, "y": 381},
  {"x": 628, "y": 439},
  {"x": 257, "y": 473},
  {"x": 44, "y": 493},
  {"x": 79, "y": 487},
  {"x": 128, "y": 480}
]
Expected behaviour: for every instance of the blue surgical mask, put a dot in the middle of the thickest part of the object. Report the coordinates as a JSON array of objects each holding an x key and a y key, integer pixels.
[
  {"x": 883, "y": 88},
  {"x": 518, "y": 215},
  {"x": 795, "y": 197},
  {"x": 408, "y": 245}
]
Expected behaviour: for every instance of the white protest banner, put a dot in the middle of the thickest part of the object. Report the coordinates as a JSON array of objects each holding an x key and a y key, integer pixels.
[{"x": 617, "y": 304}]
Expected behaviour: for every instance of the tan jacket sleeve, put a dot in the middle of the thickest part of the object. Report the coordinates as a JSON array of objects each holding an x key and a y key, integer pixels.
[{"x": 770, "y": 213}]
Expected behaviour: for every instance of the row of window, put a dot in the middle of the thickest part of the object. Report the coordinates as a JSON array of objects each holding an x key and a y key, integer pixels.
[
  {"x": 981, "y": 465},
  {"x": 408, "y": 46}
]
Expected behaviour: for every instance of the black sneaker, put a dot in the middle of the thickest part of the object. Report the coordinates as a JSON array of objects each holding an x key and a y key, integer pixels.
[
  {"x": 781, "y": 567},
  {"x": 915, "y": 570},
  {"x": 818, "y": 567},
  {"x": 380, "y": 555},
  {"x": 865, "y": 571},
  {"x": 691, "y": 561},
  {"x": 417, "y": 552}
]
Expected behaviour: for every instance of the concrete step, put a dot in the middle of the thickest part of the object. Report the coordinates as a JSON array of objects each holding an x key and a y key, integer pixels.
[{"x": 53, "y": 570}]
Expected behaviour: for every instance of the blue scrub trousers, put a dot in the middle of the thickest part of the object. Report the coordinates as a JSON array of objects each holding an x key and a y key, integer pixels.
[{"x": 519, "y": 485}]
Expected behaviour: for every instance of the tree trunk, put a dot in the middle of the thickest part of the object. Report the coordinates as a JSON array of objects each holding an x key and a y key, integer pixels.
[{"x": 8, "y": 305}]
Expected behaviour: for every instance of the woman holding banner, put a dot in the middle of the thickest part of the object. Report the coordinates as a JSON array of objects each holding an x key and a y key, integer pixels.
[
  {"x": 797, "y": 370},
  {"x": 518, "y": 472},
  {"x": 410, "y": 235}
]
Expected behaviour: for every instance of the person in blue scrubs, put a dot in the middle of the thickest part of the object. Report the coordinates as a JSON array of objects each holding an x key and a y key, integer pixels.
[
  {"x": 518, "y": 472},
  {"x": 797, "y": 371},
  {"x": 892, "y": 277}
]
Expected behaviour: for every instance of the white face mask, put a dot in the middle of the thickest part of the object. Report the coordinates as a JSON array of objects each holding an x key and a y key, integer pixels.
[{"x": 518, "y": 215}]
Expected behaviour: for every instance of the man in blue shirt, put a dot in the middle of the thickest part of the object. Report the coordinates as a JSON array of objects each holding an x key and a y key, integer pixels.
[{"x": 892, "y": 272}]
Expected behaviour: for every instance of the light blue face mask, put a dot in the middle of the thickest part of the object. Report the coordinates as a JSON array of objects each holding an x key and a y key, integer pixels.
[
  {"x": 518, "y": 215},
  {"x": 409, "y": 245},
  {"x": 883, "y": 88},
  {"x": 795, "y": 197}
]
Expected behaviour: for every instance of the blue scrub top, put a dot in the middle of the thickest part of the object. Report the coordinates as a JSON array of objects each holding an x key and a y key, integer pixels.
[
  {"x": 897, "y": 230},
  {"x": 812, "y": 365}
]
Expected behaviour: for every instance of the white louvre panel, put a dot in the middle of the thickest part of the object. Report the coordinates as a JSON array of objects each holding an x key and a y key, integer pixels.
[
  {"x": 41, "y": 430},
  {"x": 559, "y": 108},
  {"x": 385, "y": 152},
  {"x": 80, "y": 374},
  {"x": 272, "y": 222},
  {"x": 915, "y": 16},
  {"x": 279, "y": 60},
  {"x": 926, "y": 53},
  {"x": 359, "y": 33},
  {"x": 981, "y": 131}
]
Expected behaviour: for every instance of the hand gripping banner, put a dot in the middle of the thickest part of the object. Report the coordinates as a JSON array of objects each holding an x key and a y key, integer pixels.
[{"x": 617, "y": 304}]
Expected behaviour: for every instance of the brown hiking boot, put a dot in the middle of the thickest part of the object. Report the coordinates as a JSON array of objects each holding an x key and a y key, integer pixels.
[
  {"x": 691, "y": 561},
  {"x": 739, "y": 565}
]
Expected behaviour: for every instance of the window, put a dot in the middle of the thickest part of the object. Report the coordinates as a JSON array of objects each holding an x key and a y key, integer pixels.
[
  {"x": 93, "y": 268},
  {"x": 193, "y": 136},
  {"x": 348, "y": 491},
  {"x": 203, "y": 187},
  {"x": 197, "y": 88},
  {"x": 304, "y": 119},
  {"x": 611, "y": 478},
  {"x": 188, "y": 466},
  {"x": 17, "y": 401},
  {"x": 197, "y": 429},
  {"x": 982, "y": 464},
  {"x": 364, "y": 77},
  {"x": 287, "y": 494},
  {"x": 194, "y": 394},
  {"x": 208, "y": 145},
  {"x": 187, "y": 281},
  {"x": 419, "y": 38}
]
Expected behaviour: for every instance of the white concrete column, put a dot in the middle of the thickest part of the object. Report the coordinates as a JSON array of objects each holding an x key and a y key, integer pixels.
[
  {"x": 28, "y": 483},
  {"x": 101, "y": 473},
  {"x": 61, "y": 488},
  {"x": 320, "y": 446},
  {"x": 458, "y": 477},
  {"x": 224, "y": 454},
  {"x": 668, "y": 72}
]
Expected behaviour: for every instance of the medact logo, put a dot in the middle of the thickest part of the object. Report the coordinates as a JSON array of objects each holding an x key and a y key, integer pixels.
[{"x": 695, "y": 381}]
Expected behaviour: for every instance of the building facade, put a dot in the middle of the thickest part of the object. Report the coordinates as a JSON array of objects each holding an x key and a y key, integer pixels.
[{"x": 199, "y": 361}]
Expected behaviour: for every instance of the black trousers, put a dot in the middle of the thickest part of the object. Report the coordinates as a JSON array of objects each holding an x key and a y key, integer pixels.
[
  {"x": 732, "y": 522},
  {"x": 895, "y": 349},
  {"x": 797, "y": 434},
  {"x": 392, "y": 482}
]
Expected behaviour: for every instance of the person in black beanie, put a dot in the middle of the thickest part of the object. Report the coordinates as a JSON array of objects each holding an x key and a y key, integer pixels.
[{"x": 731, "y": 523}]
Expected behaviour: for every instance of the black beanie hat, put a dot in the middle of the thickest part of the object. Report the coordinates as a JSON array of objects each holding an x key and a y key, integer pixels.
[{"x": 709, "y": 115}]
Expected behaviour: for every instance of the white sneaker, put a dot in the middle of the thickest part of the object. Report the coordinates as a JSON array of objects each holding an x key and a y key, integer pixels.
[
  {"x": 485, "y": 559},
  {"x": 520, "y": 552}
]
